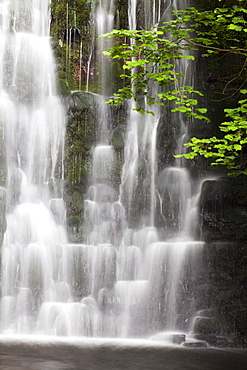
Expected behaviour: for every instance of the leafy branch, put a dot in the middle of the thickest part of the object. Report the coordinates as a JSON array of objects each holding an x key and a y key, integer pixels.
[
  {"x": 228, "y": 151},
  {"x": 152, "y": 56}
]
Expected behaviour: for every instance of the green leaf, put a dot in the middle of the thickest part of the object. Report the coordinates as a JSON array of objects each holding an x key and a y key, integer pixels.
[
  {"x": 191, "y": 57},
  {"x": 235, "y": 27},
  {"x": 202, "y": 110},
  {"x": 181, "y": 109}
]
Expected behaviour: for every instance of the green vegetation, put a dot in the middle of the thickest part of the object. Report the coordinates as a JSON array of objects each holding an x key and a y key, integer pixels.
[
  {"x": 229, "y": 150},
  {"x": 80, "y": 136},
  {"x": 70, "y": 31},
  {"x": 147, "y": 51},
  {"x": 220, "y": 32}
]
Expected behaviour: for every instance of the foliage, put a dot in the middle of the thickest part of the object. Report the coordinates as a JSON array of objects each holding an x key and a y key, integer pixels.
[
  {"x": 67, "y": 14},
  {"x": 91, "y": 2},
  {"x": 153, "y": 55},
  {"x": 69, "y": 29},
  {"x": 229, "y": 150}
]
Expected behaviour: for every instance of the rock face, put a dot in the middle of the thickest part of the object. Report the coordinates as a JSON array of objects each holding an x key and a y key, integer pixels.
[
  {"x": 84, "y": 119},
  {"x": 223, "y": 210},
  {"x": 226, "y": 266}
]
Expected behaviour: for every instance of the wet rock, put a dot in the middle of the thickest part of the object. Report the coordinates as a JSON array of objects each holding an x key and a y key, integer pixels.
[
  {"x": 222, "y": 343},
  {"x": 223, "y": 209},
  {"x": 178, "y": 338},
  {"x": 171, "y": 338},
  {"x": 57, "y": 207},
  {"x": 225, "y": 291},
  {"x": 205, "y": 325},
  {"x": 117, "y": 139},
  {"x": 210, "y": 339},
  {"x": 195, "y": 344},
  {"x": 240, "y": 342},
  {"x": 240, "y": 316},
  {"x": 14, "y": 190}
]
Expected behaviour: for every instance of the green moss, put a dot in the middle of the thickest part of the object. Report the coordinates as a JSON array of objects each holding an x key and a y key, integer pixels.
[
  {"x": 81, "y": 134},
  {"x": 70, "y": 16}
]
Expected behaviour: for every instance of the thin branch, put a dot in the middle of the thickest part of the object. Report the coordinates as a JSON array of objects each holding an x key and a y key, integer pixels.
[
  {"x": 229, "y": 97},
  {"x": 217, "y": 49},
  {"x": 238, "y": 75}
]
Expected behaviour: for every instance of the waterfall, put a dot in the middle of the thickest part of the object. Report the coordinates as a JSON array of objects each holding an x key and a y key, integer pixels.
[
  {"x": 105, "y": 23},
  {"x": 34, "y": 123},
  {"x": 126, "y": 277}
]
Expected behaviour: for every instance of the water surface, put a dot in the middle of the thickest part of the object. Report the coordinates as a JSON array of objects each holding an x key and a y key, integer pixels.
[{"x": 97, "y": 354}]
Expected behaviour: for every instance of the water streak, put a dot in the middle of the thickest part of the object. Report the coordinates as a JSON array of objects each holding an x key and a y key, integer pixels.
[{"x": 34, "y": 133}]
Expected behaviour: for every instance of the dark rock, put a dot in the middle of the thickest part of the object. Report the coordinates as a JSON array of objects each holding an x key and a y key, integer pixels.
[
  {"x": 222, "y": 343},
  {"x": 223, "y": 208},
  {"x": 117, "y": 139},
  {"x": 171, "y": 338},
  {"x": 209, "y": 338},
  {"x": 239, "y": 342},
  {"x": 178, "y": 338},
  {"x": 195, "y": 344},
  {"x": 206, "y": 325}
]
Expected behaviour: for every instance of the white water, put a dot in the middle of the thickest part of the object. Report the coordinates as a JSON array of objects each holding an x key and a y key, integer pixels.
[
  {"x": 105, "y": 23},
  {"x": 123, "y": 281},
  {"x": 34, "y": 132},
  {"x": 145, "y": 275}
]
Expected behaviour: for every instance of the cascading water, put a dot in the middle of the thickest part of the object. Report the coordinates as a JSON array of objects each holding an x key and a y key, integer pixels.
[
  {"x": 140, "y": 279},
  {"x": 105, "y": 22},
  {"x": 128, "y": 279},
  {"x": 173, "y": 185},
  {"x": 178, "y": 200},
  {"x": 34, "y": 132}
]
